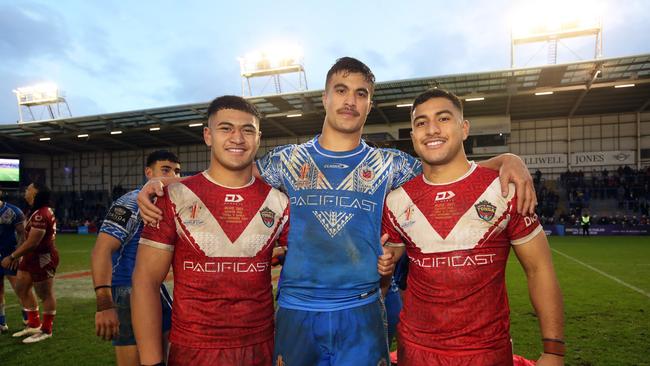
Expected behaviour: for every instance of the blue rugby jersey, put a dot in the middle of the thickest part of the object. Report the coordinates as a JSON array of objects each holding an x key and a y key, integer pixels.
[
  {"x": 123, "y": 222},
  {"x": 336, "y": 206},
  {"x": 10, "y": 216}
]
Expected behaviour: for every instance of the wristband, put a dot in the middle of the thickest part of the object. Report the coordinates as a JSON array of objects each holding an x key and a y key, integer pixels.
[
  {"x": 156, "y": 364},
  {"x": 554, "y": 346},
  {"x": 102, "y": 286}
]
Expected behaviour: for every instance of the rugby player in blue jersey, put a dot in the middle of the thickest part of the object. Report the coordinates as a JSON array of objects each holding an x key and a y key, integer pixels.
[
  {"x": 113, "y": 261},
  {"x": 330, "y": 309},
  {"x": 12, "y": 233}
]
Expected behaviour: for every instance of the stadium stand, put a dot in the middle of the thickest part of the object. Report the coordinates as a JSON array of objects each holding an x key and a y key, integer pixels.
[{"x": 559, "y": 135}]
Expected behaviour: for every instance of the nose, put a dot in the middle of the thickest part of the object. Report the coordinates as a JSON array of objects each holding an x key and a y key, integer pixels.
[
  {"x": 237, "y": 136},
  {"x": 433, "y": 128},
  {"x": 350, "y": 99}
]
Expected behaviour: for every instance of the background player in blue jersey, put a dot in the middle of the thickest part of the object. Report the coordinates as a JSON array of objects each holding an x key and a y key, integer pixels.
[
  {"x": 330, "y": 309},
  {"x": 113, "y": 261},
  {"x": 12, "y": 232}
]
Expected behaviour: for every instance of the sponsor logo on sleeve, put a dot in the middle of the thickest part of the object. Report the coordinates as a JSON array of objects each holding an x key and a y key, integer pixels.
[{"x": 119, "y": 215}]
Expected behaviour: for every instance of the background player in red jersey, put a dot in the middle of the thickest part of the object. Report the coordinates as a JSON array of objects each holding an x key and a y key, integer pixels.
[
  {"x": 218, "y": 232},
  {"x": 458, "y": 230},
  {"x": 38, "y": 265}
]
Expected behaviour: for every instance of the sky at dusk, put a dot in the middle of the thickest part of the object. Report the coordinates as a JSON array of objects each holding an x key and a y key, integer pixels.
[{"x": 113, "y": 56}]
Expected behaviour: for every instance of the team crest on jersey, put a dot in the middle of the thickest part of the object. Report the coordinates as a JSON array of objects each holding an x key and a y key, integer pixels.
[
  {"x": 485, "y": 210},
  {"x": 366, "y": 173},
  {"x": 268, "y": 216}
]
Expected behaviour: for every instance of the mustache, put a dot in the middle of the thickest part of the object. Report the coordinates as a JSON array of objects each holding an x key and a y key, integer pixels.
[{"x": 348, "y": 110}]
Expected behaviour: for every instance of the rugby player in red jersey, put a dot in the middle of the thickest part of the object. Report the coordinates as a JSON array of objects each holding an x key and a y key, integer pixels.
[
  {"x": 218, "y": 232},
  {"x": 458, "y": 230},
  {"x": 37, "y": 259}
]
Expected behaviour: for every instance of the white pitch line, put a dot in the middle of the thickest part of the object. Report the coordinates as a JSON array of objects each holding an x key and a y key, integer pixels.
[{"x": 646, "y": 294}]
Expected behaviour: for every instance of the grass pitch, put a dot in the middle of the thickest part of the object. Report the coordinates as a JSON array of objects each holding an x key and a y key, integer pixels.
[{"x": 605, "y": 282}]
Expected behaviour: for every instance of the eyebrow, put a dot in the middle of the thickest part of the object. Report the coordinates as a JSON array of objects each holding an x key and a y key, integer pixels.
[
  {"x": 233, "y": 125},
  {"x": 437, "y": 114},
  {"x": 341, "y": 85}
]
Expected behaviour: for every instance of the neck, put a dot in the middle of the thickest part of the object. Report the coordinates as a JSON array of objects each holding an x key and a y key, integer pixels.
[
  {"x": 333, "y": 140},
  {"x": 446, "y": 173},
  {"x": 230, "y": 178}
]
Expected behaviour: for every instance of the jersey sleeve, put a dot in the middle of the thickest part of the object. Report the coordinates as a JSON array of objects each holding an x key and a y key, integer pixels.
[
  {"x": 284, "y": 233},
  {"x": 19, "y": 217},
  {"x": 387, "y": 227},
  {"x": 163, "y": 235},
  {"x": 270, "y": 166},
  {"x": 521, "y": 228},
  {"x": 121, "y": 218},
  {"x": 40, "y": 220},
  {"x": 405, "y": 167}
]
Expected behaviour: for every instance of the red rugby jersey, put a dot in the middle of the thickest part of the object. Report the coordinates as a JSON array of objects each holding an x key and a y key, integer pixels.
[
  {"x": 43, "y": 219},
  {"x": 457, "y": 237},
  {"x": 222, "y": 240}
]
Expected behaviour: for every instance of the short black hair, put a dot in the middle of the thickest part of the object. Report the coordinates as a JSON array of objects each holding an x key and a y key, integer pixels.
[
  {"x": 437, "y": 93},
  {"x": 349, "y": 65},
  {"x": 161, "y": 155},
  {"x": 233, "y": 102},
  {"x": 42, "y": 197}
]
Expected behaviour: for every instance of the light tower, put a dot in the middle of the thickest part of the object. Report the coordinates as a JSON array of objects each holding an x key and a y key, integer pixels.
[
  {"x": 40, "y": 98},
  {"x": 551, "y": 22},
  {"x": 281, "y": 65}
]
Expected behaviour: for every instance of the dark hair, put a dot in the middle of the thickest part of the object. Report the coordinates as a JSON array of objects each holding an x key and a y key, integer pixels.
[
  {"x": 161, "y": 155},
  {"x": 349, "y": 65},
  {"x": 233, "y": 102},
  {"x": 438, "y": 93},
  {"x": 42, "y": 197}
]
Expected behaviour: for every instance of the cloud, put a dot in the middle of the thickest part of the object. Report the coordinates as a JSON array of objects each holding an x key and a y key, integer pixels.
[
  {"x": 30, "y": 30},
  {"x": 200, "y": 74}
]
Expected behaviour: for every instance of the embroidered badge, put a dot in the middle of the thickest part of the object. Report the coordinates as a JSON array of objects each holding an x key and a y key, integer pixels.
[
  {"x": 268, "y": 216},
  {"x": 367, "y": 174},
  {"x": 485, "y": 210}
]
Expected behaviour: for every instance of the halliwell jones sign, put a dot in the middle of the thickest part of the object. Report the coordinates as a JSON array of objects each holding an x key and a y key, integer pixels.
[{"x": 580, "y": 159}]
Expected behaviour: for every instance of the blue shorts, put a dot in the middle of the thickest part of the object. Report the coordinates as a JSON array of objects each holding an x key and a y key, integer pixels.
[
  {"x": 354, "y": 337},
  {"x": 3, "y": 270},
  {"x": 122, "y": 300}
]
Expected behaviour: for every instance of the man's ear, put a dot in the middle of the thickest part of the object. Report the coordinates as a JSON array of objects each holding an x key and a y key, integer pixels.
[{"x": 465, "y": 129}]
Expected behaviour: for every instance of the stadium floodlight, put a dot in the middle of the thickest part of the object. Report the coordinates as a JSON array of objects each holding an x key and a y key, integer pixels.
[
  {"x": 404, "y": 105},
  {"x": 195, "y": 125},
  {"x": 37, "y": 94},
  {"x": 553, "y": 20},
  {"x": 544, "y": 93},
  {"x": 118, "y": 132},
  {"x": 294, "y": 115},
  {"x": 82, "y": 135},
  {"x": 154, "y": 128},
  {"x": 474, "y": 99},
  {"x": 274, "y": 60},
  {"x": 45, "y": 95},
  {"x": 624, "y": 86},
  {"x": 44, "y": 139}
]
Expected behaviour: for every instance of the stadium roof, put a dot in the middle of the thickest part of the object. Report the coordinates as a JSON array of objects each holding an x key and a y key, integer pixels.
[{"x": 580, "y": 88}]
